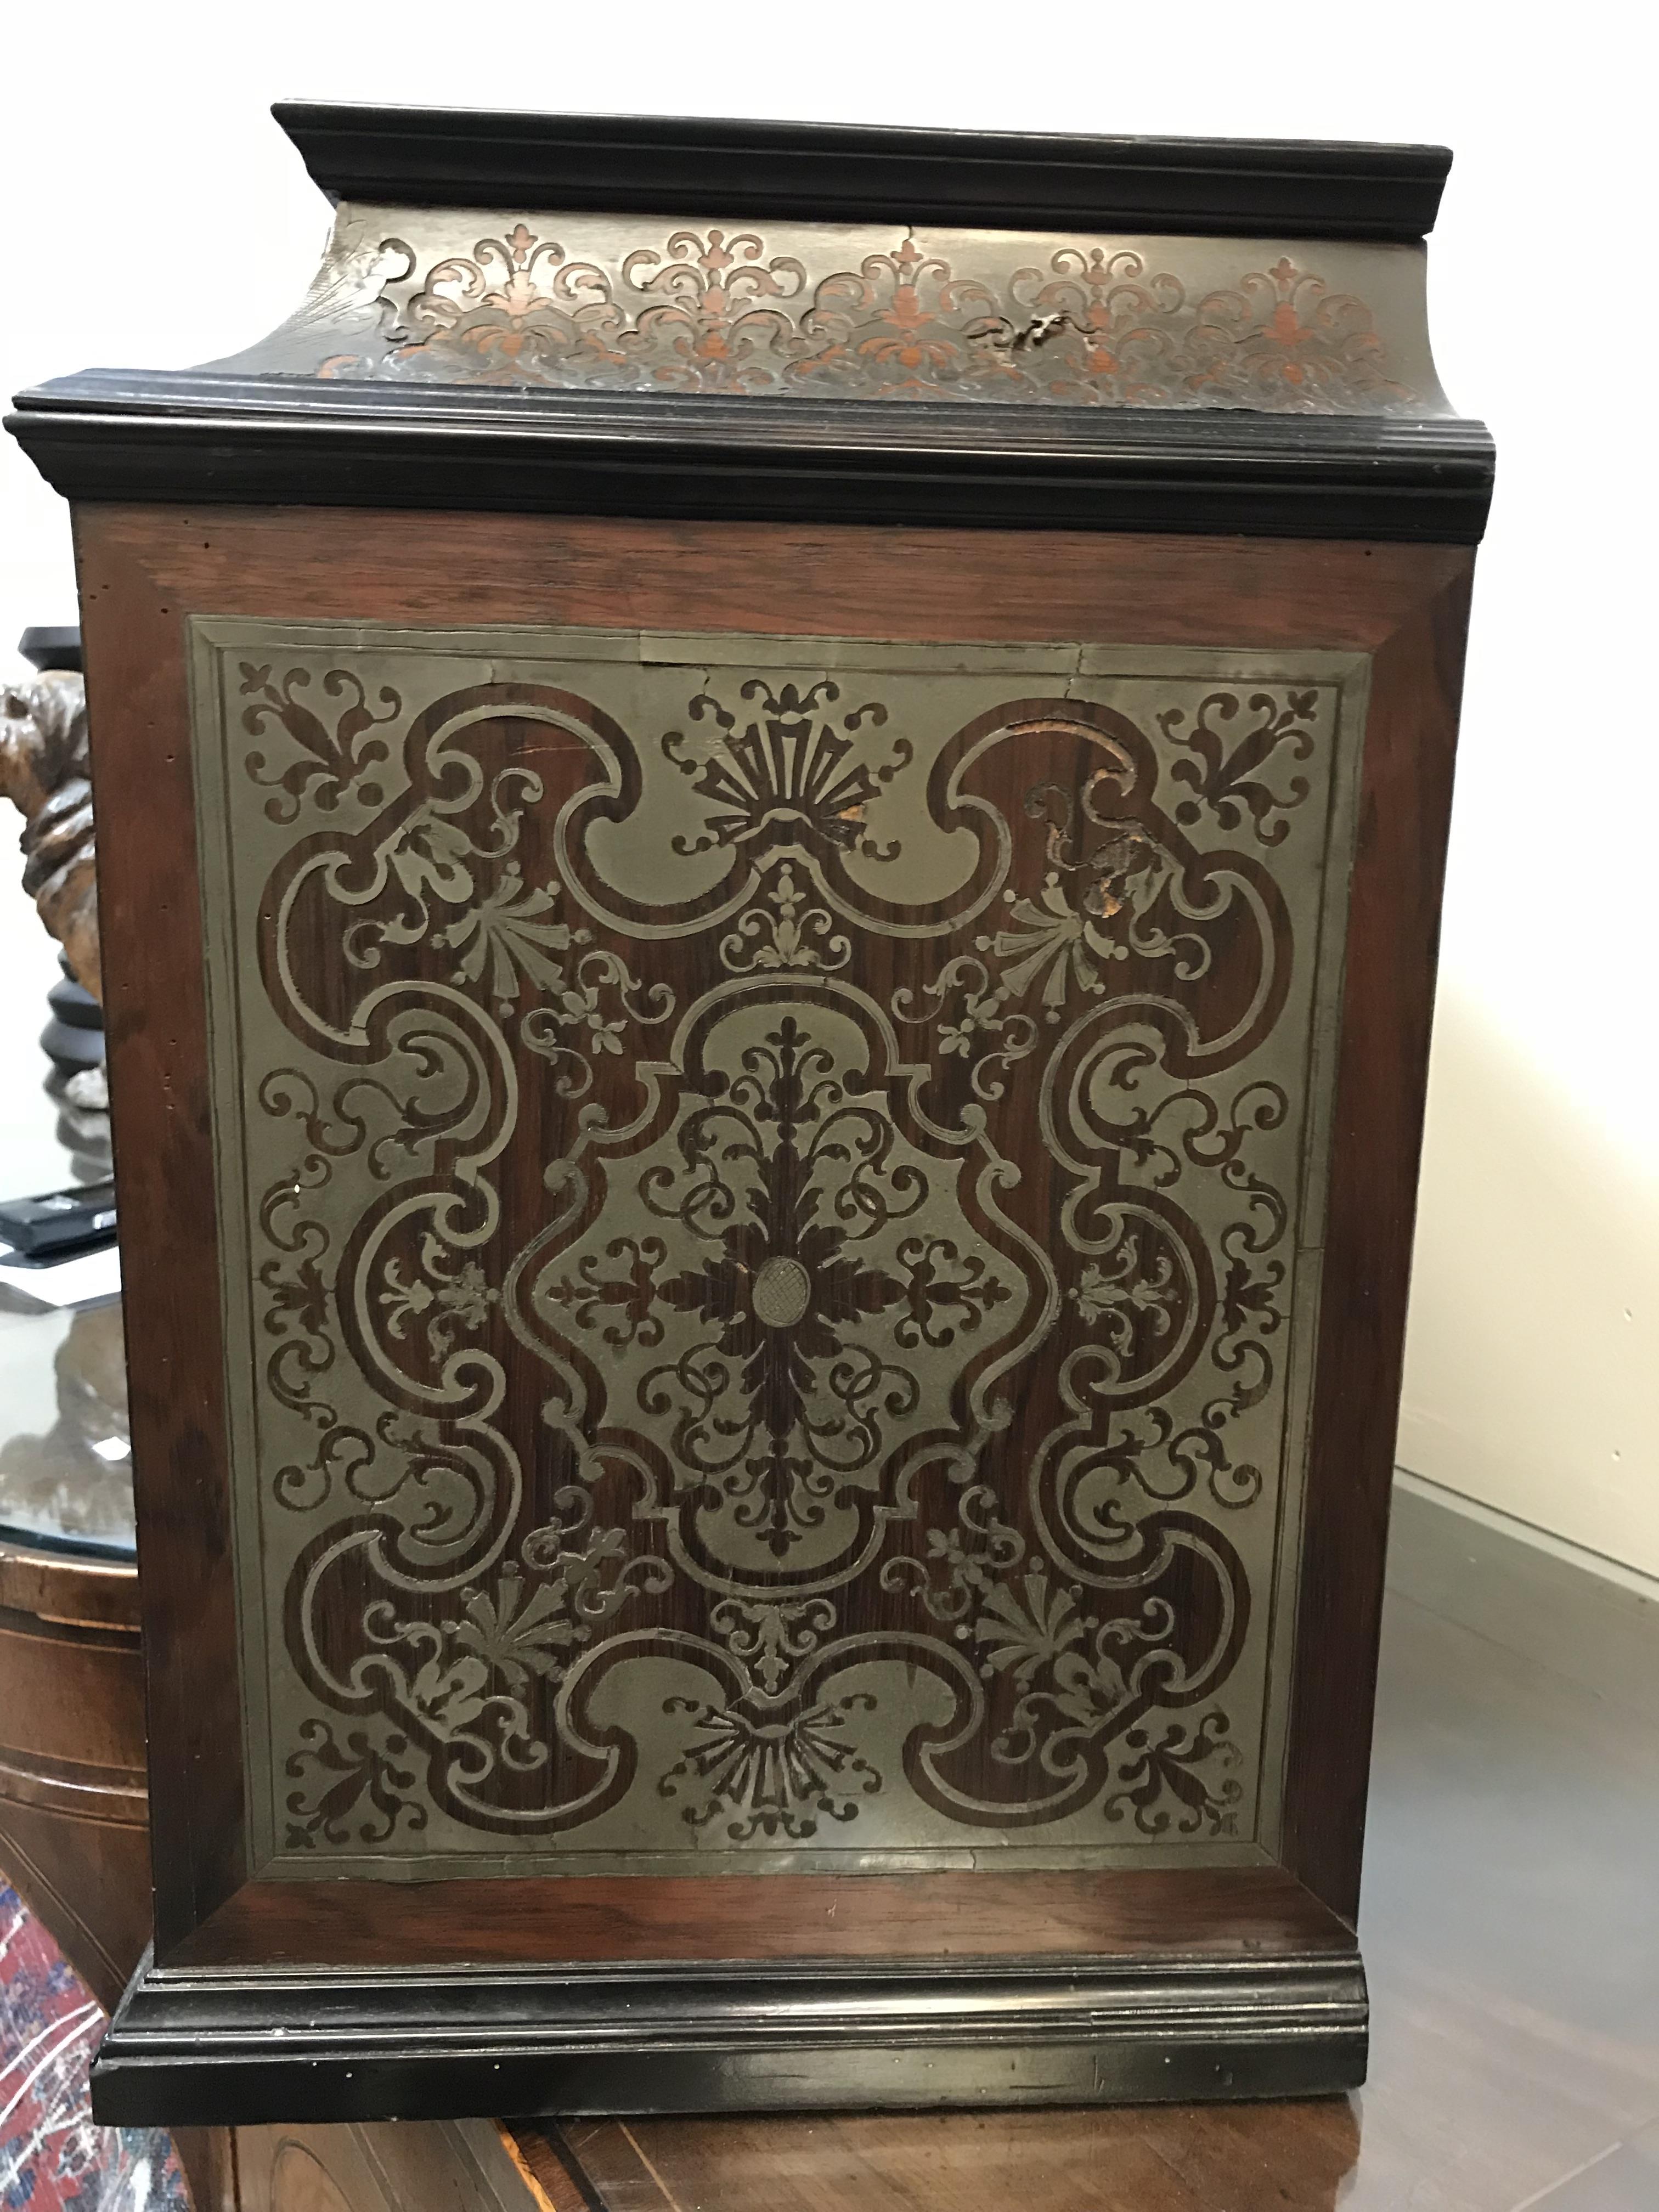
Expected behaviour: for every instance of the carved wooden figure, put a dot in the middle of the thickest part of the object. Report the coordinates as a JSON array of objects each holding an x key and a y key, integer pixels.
[
  {"x": 43, "y": 771},
  {"x": 769, "y": 1035}
]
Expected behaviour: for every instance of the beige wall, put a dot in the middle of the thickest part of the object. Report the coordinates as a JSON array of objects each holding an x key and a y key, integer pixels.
[
  {"x": 153, "y": 213},
  {"x": 1531, "y": 1370}
]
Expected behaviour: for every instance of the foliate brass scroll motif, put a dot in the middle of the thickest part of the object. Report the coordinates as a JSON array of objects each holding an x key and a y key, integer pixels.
[
  {"x": 768, "y": 1198},
  {"x": 707, "y": 309}
]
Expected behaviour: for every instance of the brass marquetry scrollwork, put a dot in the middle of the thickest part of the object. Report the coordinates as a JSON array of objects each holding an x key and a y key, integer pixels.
[
  {"x": 1085, "y": 322},
  {"x": 770, "y": 1199}
]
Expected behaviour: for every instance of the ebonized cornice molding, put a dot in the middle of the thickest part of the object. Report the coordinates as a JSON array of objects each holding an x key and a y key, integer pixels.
[
  {"x": 454, "y": 157},
  {"x": 106, "y": 436}
]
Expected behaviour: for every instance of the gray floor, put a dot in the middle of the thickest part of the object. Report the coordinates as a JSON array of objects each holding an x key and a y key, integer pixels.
[{"x": 1510, "y": 1916}]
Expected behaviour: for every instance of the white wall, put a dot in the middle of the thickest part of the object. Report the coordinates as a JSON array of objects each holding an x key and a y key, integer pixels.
[{"x": 154, "y": 215}]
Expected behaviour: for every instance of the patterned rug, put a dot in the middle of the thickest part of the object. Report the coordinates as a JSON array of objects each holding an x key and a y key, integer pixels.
[{"x": 50, "y": 2153}]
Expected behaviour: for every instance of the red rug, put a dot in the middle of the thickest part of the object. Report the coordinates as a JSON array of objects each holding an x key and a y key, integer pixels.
[{"x": 51, "y": 2154}]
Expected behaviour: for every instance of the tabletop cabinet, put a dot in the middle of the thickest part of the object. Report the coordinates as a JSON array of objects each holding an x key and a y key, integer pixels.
[{"x": 782, "y": 795}]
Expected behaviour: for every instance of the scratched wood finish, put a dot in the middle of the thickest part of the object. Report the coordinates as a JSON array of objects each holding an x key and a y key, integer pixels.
[
  {"x": 475, "y": 2165},
  {"x": 1149, "y": 2159},
  {"x": 143, "y": 571},
  {"x": 1285, "y": 2158}
]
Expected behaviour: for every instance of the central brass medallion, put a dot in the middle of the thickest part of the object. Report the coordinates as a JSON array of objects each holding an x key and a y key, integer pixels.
[{"x": 782, "y": 1292}]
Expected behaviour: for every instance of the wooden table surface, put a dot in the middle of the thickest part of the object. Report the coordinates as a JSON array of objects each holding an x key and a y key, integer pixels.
[{"x": 1511, "y": 1929}]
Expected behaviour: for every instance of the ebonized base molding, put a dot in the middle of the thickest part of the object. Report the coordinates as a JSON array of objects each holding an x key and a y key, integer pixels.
[{"x": 211, "y": 2047}]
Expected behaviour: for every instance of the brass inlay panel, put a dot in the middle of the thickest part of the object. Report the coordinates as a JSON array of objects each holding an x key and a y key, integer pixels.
[{"x": 765, "y": 1187}]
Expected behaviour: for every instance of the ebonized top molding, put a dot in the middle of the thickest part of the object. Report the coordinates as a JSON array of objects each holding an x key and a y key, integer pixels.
[
  {"x": 459, "y": 157},
  {"x": 891, "y": 343},
  {"x": 114, "y": 435}
]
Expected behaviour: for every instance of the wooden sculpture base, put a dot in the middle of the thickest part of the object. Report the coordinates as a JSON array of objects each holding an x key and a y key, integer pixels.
[{"x": 73, "y": 1830}]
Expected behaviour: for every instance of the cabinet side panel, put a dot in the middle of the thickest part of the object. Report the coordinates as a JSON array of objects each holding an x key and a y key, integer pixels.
[
  {"x": 1394, "y": 933},
  {"x": 156, "y": 1021}
]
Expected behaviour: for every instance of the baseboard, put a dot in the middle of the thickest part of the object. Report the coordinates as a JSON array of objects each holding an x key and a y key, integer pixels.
[
  {"x": 218, "y": 2047},
  {"x": 1528, "y": 1532}
]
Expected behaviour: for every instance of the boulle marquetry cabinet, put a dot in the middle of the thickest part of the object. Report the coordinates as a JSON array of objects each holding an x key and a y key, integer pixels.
[{"x": 768, "y": 979}]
